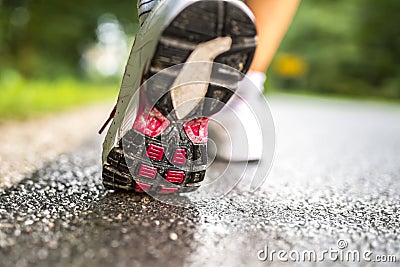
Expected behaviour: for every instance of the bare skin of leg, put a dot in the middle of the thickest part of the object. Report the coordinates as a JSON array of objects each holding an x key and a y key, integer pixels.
[{"x": 273, "y": 18}]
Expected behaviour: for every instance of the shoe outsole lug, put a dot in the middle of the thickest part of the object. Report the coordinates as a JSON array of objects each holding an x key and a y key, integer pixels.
[{"x": 200, "y": 22}]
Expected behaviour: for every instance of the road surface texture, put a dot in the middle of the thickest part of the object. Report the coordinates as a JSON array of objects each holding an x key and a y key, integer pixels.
[
  {"x": 336, "y": 177},
  {"x": 28, "y": 145}
]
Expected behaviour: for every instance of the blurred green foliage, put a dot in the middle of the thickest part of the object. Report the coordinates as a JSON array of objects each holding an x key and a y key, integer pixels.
[
  {"x": 352, "y": 47},
  {"x": 41, "y": 45},
  {"x": 45, "y": 39},
  {"x": 22, "y": 99}
]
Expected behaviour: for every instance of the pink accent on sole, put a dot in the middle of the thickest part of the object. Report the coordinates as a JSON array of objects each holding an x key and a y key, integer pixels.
[
  {"x": 155, "y": 152},
  {"x": 197, "y": 130},
  {"x": 179, "y": 157},
  {"x": 142, "y": 186},
  {"x": 175, "y": 176},
  {"x": 168, "y": 190},
  {"x": 151, "y": 123},
  {"x": 147, "y": 171}
]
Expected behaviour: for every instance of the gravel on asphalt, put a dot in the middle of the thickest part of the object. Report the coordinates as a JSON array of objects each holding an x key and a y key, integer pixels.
[{"x": 336, "y": 177}]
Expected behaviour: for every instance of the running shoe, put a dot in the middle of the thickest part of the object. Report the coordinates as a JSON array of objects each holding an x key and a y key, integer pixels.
[{"x": 163, "y": 149}]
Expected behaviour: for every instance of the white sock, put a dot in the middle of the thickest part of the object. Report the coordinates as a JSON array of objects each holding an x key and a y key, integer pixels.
[
  {"x": 258, "y": 78},
  {"x": 252, "y": 85}
]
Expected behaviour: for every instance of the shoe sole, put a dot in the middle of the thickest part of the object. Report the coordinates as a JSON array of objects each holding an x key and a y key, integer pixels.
[{"x": 167, "y": 153}]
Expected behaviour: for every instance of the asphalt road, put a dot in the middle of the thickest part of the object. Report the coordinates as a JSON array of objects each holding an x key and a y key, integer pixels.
[{"x": 336, "y": 177}]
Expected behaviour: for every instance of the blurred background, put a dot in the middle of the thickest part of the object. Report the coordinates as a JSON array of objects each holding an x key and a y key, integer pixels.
[{"x": 59, "y": 54}]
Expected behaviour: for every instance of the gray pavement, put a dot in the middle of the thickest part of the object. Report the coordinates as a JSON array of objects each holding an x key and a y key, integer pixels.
[{"x": 336, "y": 177}]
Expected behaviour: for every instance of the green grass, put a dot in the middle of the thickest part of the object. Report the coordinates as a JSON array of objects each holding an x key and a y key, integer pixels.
[{"x": 21, "y": 99}]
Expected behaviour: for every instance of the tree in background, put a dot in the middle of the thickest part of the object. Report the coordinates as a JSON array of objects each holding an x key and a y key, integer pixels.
[
  {"x": 41, "y": 38},
  {"x": 351, "y": 46},
  {"x": 378, "y": 38}
]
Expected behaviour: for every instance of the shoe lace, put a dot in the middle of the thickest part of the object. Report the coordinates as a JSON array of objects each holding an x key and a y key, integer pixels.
[{"x": 112, "y": 115}]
